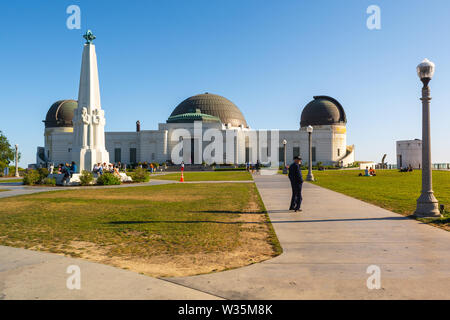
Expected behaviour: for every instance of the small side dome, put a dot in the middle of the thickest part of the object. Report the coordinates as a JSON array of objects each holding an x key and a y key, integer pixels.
[
  {"x": 323, "y": 110},
  {"x": 61, "y": 114}
]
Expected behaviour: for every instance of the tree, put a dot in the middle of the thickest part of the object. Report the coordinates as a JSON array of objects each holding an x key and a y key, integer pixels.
[{"x": 6, "y": 151}]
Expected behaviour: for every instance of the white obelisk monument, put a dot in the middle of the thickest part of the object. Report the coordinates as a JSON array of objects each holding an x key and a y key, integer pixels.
[{"x": 89, "y": 119}]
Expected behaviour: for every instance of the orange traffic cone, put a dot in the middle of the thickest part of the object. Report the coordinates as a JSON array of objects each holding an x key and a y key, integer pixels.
[{"x": 182, "y": 177}]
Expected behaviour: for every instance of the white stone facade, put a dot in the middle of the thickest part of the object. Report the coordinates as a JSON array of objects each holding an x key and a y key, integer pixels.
[
  {"x": 409, "y": 152},
  {"x": 328, "y": 142}
]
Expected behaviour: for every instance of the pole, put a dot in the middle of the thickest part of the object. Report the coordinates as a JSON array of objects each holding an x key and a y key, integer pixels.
[
  {"x": 310, "y": 176},
  {"x": 284, "y": 166},
  {"x": 17, "y": 161},
  {"x": 427, "y": 204}
]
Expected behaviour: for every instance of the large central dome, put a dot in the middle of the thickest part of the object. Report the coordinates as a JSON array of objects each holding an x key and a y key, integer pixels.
[{"x": 214, "y": 105}]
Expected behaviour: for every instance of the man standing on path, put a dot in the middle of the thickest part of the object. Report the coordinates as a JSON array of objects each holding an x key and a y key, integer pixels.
[{"x": 295, "y": 175}]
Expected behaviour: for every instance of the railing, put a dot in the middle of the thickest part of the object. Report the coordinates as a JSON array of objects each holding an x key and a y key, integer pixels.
[
  {"x": 440, "y": 166},
  {"x": 434, "y": 166}
]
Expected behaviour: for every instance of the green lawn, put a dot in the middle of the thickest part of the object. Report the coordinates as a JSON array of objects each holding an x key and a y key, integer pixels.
[
  {"x": 390, "y": 189},
  {"x": 207, "y": 176},
  {"x": 164, "y": 230}
]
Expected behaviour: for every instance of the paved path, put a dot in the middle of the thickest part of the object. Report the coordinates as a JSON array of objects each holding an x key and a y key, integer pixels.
[
  {"x": 26, "y": 274},
  {"x": 328, "y": 247}
]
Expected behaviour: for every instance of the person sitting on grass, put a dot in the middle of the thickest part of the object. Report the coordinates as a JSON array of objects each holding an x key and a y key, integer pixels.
[
  {"x": 366, "y": 172},
  {"x": 372, "y": 172}
]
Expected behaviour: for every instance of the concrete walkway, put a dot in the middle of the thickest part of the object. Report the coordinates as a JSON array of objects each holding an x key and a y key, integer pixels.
[
  {"x": 18, "y": 189},
  {"x": 26, "y": 274},
  {"x": 328, "y": 248}
]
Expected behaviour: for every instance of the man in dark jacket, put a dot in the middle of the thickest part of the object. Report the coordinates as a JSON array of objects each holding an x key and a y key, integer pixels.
[{"x": 295, "y": 175}]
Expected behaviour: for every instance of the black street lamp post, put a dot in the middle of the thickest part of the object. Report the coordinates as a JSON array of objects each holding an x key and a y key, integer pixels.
[
  {"x": 427, "y": 204},
  {"x": 310, "y": 176}
]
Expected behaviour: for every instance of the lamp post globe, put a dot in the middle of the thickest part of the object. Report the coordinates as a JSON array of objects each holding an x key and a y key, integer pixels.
[
  {"x": 284, "y": 153},
  {"x": 310, "y": 176},
  {"x": 427, "y": 204},
  {"x": 425, "y": 70}
]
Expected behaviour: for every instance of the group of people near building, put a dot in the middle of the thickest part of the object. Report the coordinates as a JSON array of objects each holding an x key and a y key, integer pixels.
[
  {"x": 149, "y": 166},
  {"x": 64, "y": 168},
  {"x": 407, "y": 169},
  {"x": 369, "y": 172},
  {"x": 113, "y": 168},
  {"x": 250, "y": 167}
]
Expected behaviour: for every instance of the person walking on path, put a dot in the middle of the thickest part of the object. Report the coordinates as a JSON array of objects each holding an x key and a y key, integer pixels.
[
  {"x": 257, "y": 166},
  {"x": 296, "y": 178}
]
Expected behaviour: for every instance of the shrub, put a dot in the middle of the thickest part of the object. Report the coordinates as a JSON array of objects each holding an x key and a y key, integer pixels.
[
  {"x": 107, "y": 179},
  {"x": 86, "y": 178},
  {"x": 49, "y": 181},
  {"x": 31, "y": 177},
  {"x": 43, "y": 173},
  {"x": 140, "y": 175}
]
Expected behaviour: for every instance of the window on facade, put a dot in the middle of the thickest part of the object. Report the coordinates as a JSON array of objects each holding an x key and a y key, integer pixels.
[
  {"x": 69, "y": 150},
  {"x": 247, "y": 154},
  {"x": 153, "y": 156},
  {"x": 313, "y": 154},
  {"x": 133, "y": 154},
  {"x": 339, "y": 152},
  {"x": 296, "y": 151},
  {"x": 117, "y": 155}
]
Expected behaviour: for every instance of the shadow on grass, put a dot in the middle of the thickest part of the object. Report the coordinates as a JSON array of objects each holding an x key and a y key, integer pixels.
[
  {"x": 230, "y": 212},
  {"x": 12, "y": 184},
  {"x": 440, "y": 222},
  {"x": 183, "y": 221}
]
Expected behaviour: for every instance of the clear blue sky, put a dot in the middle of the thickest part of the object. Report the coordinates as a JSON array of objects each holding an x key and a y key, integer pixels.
[{"x": 268, "y": 57}]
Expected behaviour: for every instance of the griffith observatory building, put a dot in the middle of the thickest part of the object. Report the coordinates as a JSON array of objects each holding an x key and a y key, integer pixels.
[{"x": 74, "y": 131}]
